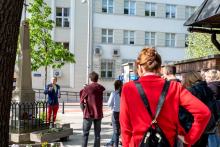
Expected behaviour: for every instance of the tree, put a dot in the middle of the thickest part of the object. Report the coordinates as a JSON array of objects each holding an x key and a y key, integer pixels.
[
  {"x": 10, "y": 11},
  {"x": 47, "y": 50},
  {"x": 200, "y": 45}
]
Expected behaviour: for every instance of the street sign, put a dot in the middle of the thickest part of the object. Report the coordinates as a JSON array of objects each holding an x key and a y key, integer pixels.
[
  {"x": 133, "y": 77},
  {"x": 37, "y": 75},
  {"x": 121, "y": 78}
]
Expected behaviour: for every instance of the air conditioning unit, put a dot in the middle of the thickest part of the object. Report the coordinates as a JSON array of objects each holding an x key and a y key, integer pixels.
[
  {"x": 57, "y": 73},
  {"x": 116, "y": 53},
  {"x": 98, "y": 51}
]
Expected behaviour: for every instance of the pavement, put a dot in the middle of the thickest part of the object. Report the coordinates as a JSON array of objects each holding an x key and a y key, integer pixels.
[{"x": 74, "y": 116}]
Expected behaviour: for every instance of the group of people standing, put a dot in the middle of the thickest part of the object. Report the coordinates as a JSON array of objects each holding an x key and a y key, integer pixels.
[{"x": 130, "y": 117}]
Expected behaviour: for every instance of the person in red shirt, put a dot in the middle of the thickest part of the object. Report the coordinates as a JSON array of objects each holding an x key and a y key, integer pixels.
[
  {"x": 92, "y": 97},
  {"x": 134, "y": 117}
]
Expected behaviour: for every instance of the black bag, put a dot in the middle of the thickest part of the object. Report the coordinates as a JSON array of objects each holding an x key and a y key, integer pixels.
[
  {"x": 185, "y": 118},
  {"x": 154, "y": 137},
  {"x": 214, "y": 120}
]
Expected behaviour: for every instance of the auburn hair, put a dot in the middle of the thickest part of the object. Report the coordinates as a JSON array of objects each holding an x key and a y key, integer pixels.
[{"x": 149, "y": 59}]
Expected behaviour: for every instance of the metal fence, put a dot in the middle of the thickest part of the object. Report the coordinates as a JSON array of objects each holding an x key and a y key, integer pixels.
[
  {"x": 66, "y": 96},
  {"x": 25, "y": 117}
]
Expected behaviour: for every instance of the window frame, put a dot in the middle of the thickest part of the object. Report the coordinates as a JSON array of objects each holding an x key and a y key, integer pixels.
[
  {"x": 170, "y": 11},
  {"x": 64, "y": 48},
  {"x": 106, "y": 70},
  {"x": 150, "y": 10},
  {"x": 63, "y": 17},
  {"x": 190, "y": 11},
  {"x": 170, "y": 40},
  {"x": 107, "y": 6},
  {"x": 107, "y": 36},
  {"x": 129, "y": 8},
  {"x": 129, "y": 37},
  {"x": 150, "y": 38}
]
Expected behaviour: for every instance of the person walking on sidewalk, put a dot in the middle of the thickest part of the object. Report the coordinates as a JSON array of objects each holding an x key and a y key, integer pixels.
[
  {"x": 114, "y": 102},
  {"x": 53, "y": 91},
  {"x": 93, "y": 94}
]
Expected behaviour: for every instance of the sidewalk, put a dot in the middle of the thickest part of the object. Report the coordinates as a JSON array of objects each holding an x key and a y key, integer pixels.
[{"x": 75, "y": 119}]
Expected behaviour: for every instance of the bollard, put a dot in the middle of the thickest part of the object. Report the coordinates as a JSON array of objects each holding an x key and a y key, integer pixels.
[{"x": 63, "y": 108}]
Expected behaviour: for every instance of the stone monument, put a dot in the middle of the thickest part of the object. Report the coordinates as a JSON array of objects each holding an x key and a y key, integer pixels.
[{"x": 24, "y": 92}]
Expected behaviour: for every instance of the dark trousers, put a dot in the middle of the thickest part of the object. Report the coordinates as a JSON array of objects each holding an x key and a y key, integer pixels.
[
  {"x": 116, "y": 128},
  {"x": 202, "y": 142},
  {"x": 87, "y": 123}
]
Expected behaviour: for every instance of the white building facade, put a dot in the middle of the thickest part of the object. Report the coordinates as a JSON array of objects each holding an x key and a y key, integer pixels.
[{"x": 119, "y": 30}]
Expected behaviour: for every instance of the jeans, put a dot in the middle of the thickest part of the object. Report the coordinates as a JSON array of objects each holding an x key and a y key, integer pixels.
[
  {"x": 87, "y": 123},
  {"x": 112, "y": 139},
  {"x": 214, "y": 139},
  {"x": 116, "y": 128},
  {"x": 49, "y": 112}
]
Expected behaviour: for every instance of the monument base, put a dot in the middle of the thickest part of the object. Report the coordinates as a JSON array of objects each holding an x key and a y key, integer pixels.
[{"x": 23, "y": 96}]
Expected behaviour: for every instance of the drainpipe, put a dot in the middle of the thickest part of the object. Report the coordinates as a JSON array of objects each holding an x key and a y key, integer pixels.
[
  {"x": 92, "y": 36},
  {"x": 214, "y": 41}
]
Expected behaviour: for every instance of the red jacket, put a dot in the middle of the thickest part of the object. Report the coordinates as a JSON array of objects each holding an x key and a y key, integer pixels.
[
  {"x": 93, "y": 94},
  {"x": 135, "y": 119}
]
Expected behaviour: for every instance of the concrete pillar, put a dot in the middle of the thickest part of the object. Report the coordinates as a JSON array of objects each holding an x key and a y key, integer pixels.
[
  {"x": 72, "y": 40},
  {"x": 24, "y": 91}
]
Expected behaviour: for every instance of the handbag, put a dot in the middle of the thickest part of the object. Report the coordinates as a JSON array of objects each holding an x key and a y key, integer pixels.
[
  {"x": 154, "y": 136},
  {"x": 185, "y": 118}
]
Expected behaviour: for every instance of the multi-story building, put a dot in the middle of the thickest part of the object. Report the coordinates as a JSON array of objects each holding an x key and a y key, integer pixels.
[{"x": 119, "y": 30}]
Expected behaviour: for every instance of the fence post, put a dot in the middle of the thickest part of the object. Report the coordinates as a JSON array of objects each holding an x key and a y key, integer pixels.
[
  {"x": 19, "y": 119},
  {"x": 63, "y": 108}
]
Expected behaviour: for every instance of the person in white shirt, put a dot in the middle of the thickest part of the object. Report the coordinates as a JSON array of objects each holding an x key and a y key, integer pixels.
[{"x": 114, "y": 103}]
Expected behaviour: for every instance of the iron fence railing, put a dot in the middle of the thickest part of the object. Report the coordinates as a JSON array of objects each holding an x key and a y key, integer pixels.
[
  {"x": 66, "y": 96},
  {"x": 30, "y": 116}
]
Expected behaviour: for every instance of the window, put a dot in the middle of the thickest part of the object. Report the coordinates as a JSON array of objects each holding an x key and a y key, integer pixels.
[
  {"x": 186, "y": 40},
  {"x": 170, "y": 11},
  {"x": 150, "y": 38},
  {"x": 170, "y": 40},
  {"x": 189, "y": 11},
  {"x": 66, "y": 46},
  {"x": 62, "y": 17},
  {"x": 106, "y": 70},
  {"x": 128, "y": 37},
  {"x": 107, "y": 6},
  {"x": 150, "y": 9},
  {"x": 107, "y": 36},
  {"x": 129, "y": 8}
]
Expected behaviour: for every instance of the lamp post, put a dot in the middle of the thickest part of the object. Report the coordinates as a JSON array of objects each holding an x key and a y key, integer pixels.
[{"x": 88, "y": 40}]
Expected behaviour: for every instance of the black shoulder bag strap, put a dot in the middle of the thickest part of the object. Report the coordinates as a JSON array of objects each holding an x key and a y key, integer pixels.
[
  {"x": 161, "y": 99},
  {"x": 159, "y": 105}
]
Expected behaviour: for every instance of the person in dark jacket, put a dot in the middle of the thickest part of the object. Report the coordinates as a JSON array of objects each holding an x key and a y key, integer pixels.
[
  {"x": 212, "y": 78},
  {"x": 92, "y": 97},
  {"x": 170, "y": 72},
  {"x": 53, "y": 91},
  {"x": 199, "y": 88}
]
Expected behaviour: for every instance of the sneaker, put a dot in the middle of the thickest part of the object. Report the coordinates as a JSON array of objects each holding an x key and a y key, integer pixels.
[{"x": 108, "y": 145}]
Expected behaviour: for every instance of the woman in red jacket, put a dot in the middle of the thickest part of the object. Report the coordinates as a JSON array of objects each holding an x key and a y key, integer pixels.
[{"x": 134, "y": 117}]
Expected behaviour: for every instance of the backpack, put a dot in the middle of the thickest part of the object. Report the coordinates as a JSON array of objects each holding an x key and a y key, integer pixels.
[
  {"x": 154, "y": 136},
  {"x": 212, "y": 125}
]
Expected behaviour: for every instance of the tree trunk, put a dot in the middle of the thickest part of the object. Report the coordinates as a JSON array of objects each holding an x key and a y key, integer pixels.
[{"x": 10, "y": 17}]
